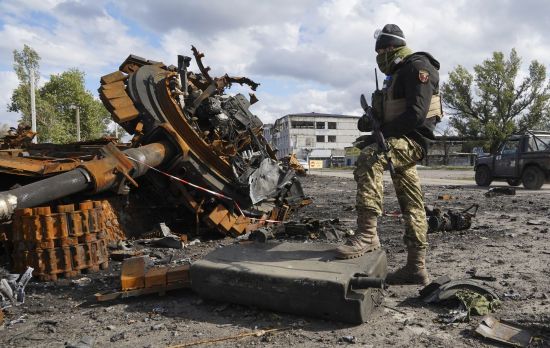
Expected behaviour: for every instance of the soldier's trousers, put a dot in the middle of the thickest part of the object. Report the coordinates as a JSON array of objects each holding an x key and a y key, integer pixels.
[{"x": 404, "y": 154}]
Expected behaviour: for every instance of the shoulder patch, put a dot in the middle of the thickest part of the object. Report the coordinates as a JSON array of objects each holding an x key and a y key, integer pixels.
[{"x": 423, "y": 75}]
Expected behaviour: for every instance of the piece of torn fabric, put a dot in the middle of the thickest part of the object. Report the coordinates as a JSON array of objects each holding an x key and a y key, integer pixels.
[{"x": 477, "y": 304}]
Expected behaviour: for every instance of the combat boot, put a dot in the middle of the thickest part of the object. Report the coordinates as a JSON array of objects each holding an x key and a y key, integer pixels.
[
  {"x": 364, "y": 240},
  {"x": 414, "y": 272}
]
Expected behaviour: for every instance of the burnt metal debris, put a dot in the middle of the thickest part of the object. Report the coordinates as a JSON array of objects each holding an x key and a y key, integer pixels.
[
  {"x": 500, "y": 191},
  {"x": 198, "y": 146},
  {"x": 17, "y": 137},
  {"x": 12, "y": 289},
  {"x": 452, "y": 220},
  {"x": 444, "y": 288},
  {"x": 138, "y": 276},
  {"x": 504, "y": 332},
  {"x": 305, "y": 229}
]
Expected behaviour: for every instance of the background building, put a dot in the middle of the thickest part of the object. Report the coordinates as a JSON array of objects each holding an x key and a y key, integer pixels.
[{"x": 321, "y": 138}]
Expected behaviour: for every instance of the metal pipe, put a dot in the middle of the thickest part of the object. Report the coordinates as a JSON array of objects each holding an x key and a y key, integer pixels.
[
  {"x": 152, "y": 154},
  {"x": 367, "y": 282},
  {"x": 42, "y": 191},
  {"x": 77, "y": 180}
]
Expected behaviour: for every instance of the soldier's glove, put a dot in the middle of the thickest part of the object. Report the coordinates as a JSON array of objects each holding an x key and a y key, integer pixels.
[
  {"x": 365, "y": 123},
  {"x": 364, "y": 141}
]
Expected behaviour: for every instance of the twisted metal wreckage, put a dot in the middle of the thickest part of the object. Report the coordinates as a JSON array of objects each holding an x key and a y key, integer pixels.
[
  {"x": 203, "y": 149},
  {"x": 197, "y": 145}
]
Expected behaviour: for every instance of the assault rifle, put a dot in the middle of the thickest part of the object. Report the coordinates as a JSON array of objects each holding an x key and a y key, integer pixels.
[{"x": 376, "y": 128}]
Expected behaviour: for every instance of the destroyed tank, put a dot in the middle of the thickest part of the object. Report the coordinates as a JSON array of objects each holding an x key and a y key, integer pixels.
[{"x": 198, "y": 146}]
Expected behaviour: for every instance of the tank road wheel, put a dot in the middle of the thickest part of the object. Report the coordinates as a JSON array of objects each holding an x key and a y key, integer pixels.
[
  {"x": 483, "y": 176},
  {"x": 514, "y": 182},
  {"x": 533, "y": 178}
]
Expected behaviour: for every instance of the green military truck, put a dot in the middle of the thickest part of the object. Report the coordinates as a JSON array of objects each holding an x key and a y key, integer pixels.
[{"x": 520, "y": 159}]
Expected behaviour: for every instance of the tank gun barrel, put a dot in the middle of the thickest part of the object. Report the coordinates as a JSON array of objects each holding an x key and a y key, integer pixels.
[{"x": 96, "y": 176}]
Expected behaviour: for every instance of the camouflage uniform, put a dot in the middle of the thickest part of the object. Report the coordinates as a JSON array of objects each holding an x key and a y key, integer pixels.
[
  {"x": 407, "y": 109},
  {"x": 404, "y": 154}
]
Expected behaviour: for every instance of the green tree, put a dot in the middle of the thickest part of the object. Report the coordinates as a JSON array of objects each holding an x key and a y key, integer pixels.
[
  {"x": 493, "y": 103},
  {"x": 23, "y": 62},
  {"x": 55, "y": 119},
  {"x": 67, "y": 89}
]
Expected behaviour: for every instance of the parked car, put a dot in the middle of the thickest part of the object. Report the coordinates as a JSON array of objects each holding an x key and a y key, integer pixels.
[{"x": 523, "y": 158}]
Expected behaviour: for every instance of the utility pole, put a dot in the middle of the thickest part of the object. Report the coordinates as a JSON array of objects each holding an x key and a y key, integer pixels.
[
  {"x": 33, "y": 105},
  {"x": 77, "y": 121}
]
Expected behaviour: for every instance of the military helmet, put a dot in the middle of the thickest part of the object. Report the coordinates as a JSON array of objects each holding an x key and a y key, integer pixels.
[{"x": 390, "y": 35}]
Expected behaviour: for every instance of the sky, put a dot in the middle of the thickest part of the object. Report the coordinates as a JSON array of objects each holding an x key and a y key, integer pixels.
[{"x": 308, "y": 55}]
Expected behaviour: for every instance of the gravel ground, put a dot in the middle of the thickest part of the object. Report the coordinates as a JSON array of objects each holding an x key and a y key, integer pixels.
[{"x": 503, "y": 242}]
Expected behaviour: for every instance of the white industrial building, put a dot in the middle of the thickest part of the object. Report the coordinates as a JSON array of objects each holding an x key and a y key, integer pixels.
[{"x": 313, "y": 136}]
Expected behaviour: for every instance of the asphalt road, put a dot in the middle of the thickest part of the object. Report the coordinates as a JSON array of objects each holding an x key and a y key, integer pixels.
[{"x": 432, "y": 177}]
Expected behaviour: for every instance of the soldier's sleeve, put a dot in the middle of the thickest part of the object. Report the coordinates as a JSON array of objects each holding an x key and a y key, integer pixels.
[{"x": 418, "y": 95}]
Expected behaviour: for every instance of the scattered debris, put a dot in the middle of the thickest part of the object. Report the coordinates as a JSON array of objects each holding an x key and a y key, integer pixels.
[
  {"x": 306, "y": 228},
  {"x": 171, "y": 241},
  {"x": 443, "y": 288},
  {"x": 17, "y": 137},
  {"x": 84, "y": 342},
  {"x": 19, "y": 320},
  {"x": 453, "y": 316},
  {"x": 84, "y": 281},
  {"x": 262, "y": 235},
  {"x": 537, "y": 222},
  {"x": 119, "y": 336},
  {"x": 167, "y": 240},
  {"x": 452, "y": 220},
  {"x": 473, "y": 297},
  {"x": 12, "y": 290},
  {"x": 474, "y": 274},
  {"x": 256, "y": 333},
  {"x": 292, "y": 162},
  {"x": 138, "y": 277},
  {"x": 445, "y": 197},
  {"x": 348, "y": 339},
  {"x": 503, "y": 332},
  {"x": 476, "y": 303},
  {"x": 512, "y": 294},
  {"x": 500, "y": 191},
  {"x": 121, "y": 255}
]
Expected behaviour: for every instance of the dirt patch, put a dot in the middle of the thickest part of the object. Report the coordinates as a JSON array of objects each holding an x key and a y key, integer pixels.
[{"x": 501, "y": 243}]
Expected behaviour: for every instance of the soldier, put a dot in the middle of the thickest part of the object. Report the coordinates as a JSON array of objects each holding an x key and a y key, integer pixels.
[{"x": 408, "y": 108}]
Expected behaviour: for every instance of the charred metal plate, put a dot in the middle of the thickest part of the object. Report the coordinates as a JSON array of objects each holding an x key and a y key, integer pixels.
[{"x": 300, "y": 278}]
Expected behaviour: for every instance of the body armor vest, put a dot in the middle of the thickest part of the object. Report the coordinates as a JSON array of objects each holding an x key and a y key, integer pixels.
[{"x": 392, "y": 108}]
